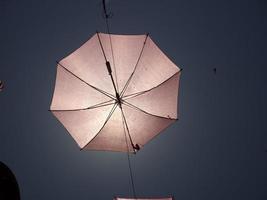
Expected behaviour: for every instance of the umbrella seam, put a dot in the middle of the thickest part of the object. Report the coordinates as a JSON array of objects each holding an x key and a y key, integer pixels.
[
  {"x": 141, "y": 110},
  {"x": 142, "y": 92},
  {"x": 97, "y": 89},
  {"x": 108, "y": 117},
  {"x": 129, "y": 79},
  {"x": 106, "y": 103}
]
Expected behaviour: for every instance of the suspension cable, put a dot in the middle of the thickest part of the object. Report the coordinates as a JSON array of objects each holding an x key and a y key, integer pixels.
[
  {"x": 128, "y": 153},
  {"x": 107, "y": 16},
  {"x": 125, "y": 126}
]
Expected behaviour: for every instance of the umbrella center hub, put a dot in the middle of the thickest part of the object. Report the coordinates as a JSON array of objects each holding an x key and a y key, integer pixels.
[{"x": 118, "y": 99}]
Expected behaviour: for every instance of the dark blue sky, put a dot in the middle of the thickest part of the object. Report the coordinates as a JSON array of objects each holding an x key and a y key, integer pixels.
[{"x": 217, "y": 150}]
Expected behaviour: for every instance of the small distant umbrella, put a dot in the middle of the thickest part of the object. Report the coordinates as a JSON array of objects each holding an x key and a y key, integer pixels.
[
  {"x": 118, "y": 95},
  {"x": 214, "y": 70}
]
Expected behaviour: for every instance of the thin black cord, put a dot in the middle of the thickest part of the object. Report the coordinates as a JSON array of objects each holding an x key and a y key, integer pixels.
[
  {"x": 131, "y": 174},
  {"x": 108, "y": 65},
  {"x": 107, "y": 16},
  {"x": 112, "y": 53},
  {"x": 122, "y": 114},
  {"x": 128, "y": 155}
]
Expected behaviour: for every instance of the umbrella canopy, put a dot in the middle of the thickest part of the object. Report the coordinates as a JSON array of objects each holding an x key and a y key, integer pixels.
[
  {"x": 166, "y": 198},
  {"x": 116, "y": 92}
]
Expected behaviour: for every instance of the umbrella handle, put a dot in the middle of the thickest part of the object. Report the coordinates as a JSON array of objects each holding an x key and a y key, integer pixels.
[{"x": 108, "y": 67}]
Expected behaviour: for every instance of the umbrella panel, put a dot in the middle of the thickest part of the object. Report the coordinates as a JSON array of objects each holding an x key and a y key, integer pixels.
[
  {"x": 143, "y": 126},
  {"x": 72, "y": 93},
  {"x": 160, "y": 101},
  {"x": 123, "y": 52},
  {"x": 87, "y": 63},
  {"x": 83, "y": 125},
  {"x": 112, "y": 137},
  {"x": 153, "y": 68}
]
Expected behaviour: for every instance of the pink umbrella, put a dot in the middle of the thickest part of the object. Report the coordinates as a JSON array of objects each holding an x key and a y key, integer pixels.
[
  {"x": 167, "y": 198},
  {"x": 116, "y": 92}
]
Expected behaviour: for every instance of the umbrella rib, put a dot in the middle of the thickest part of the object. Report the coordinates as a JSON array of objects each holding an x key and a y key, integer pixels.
[
  {"x": 97, "y": 89},
  {"x": 106, "y": 103},
  {"x": 127, "y": 128},
  {"x": 136, "y": 108},
  {"x": 129, "y": 79},
  {"x": 140, "y": 93},
  {"x": 108, "y": 117}
]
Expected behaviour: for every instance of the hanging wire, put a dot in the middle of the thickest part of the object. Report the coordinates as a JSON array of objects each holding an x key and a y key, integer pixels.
[
  {"x": 131, "y": 174},
  {"x": 128, "y": 153},
  {"x": 107, "y": 16}
]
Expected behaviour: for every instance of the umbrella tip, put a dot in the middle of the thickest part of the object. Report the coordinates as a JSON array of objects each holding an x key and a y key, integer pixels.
[{"x": 136, "y": 148}]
